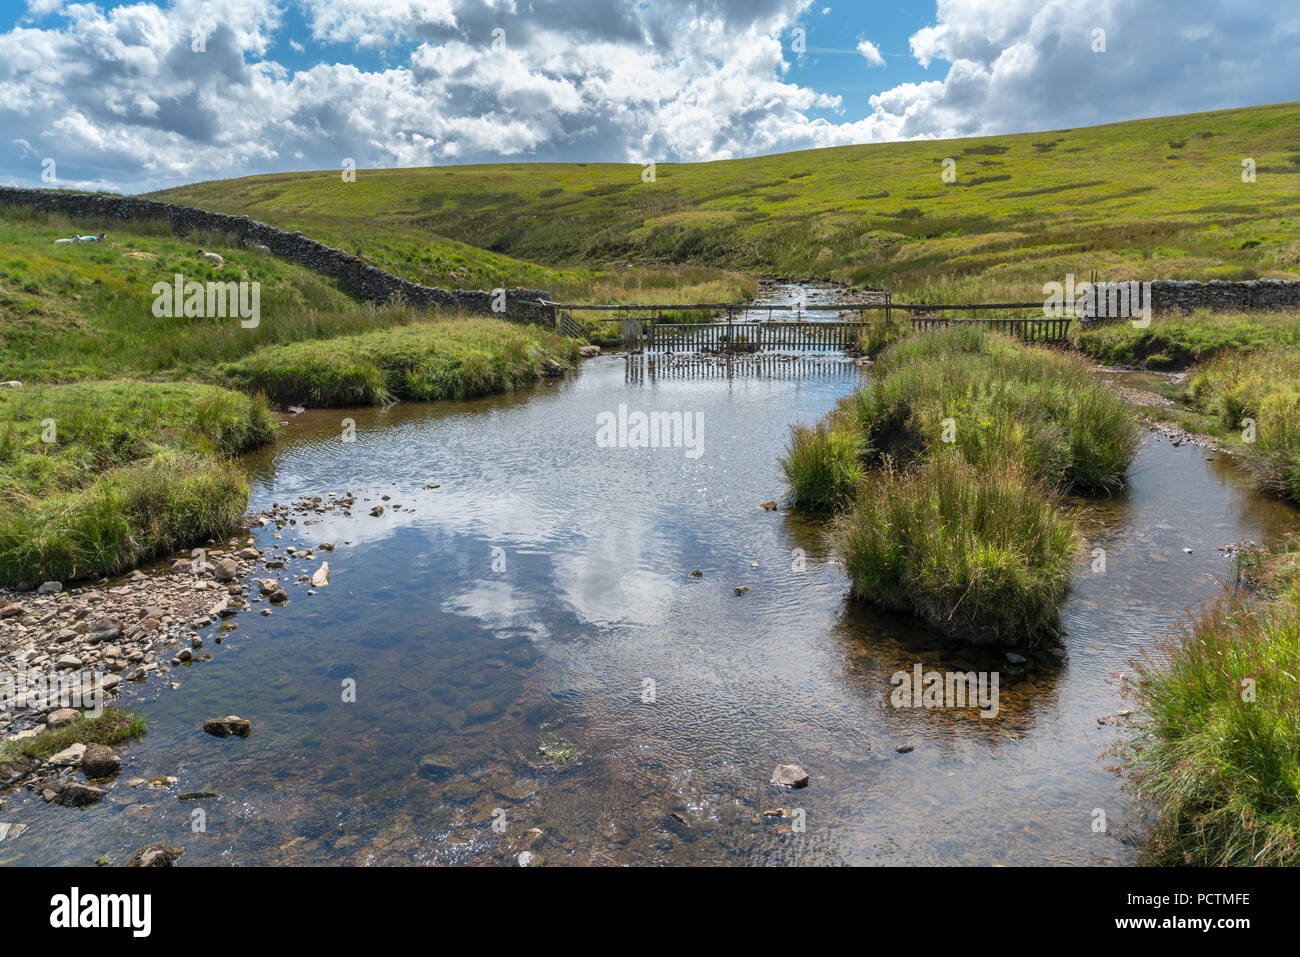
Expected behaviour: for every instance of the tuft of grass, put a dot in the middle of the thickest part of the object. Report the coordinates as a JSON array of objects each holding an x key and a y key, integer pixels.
[
  {"x": 57, "y": 438},
  {"x": 966, "y": 534},
  {"x": 823, "y": 465},
  {"x": 125, "y": 516},
  {"x": 981, "y": 554},
  {"x": 884, "y": 332},
  {"x": 995, "y": 400},
  {"x": 96, "y": 477},
  {"x": 111, "y": 726},
  {"x": 422, "y": 361}
]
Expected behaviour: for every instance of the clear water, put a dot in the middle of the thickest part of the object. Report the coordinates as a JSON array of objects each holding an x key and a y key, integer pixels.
[{"x": 480, "y": 664}]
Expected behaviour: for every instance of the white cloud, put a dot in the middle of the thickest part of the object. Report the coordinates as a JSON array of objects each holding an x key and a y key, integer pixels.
[
  {"x": 117, "y": 96},
  {"x": 871, "y": 53}
]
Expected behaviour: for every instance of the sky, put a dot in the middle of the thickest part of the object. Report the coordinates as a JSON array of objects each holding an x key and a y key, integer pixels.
[{"x": 138, "y": 96}]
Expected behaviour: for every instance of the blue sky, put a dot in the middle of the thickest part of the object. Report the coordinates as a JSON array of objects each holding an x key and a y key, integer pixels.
[{"x": 116, "y": 95}]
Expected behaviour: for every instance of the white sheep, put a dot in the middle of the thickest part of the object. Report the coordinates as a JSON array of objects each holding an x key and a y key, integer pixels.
[
  {"x": 90, "y": 239},
  {"x": 212, "y": 258},
  {"x": 63, "y": 242}
]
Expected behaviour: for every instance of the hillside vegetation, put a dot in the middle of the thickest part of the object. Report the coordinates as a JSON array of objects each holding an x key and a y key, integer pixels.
[{"x": 1158, "y": 198}]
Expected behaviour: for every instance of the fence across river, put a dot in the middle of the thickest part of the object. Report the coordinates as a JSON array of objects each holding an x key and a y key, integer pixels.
[{"x": 760, "y": 327}]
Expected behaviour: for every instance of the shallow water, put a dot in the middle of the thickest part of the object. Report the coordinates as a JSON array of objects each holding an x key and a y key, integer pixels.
[{"x": 526, "y": 602}]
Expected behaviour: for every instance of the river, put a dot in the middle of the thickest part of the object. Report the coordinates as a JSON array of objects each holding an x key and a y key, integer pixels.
[{"x": 530, "y": 650}]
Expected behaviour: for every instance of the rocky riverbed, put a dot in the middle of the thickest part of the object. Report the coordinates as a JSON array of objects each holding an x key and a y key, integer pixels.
[{"x": 69, "y": 650}]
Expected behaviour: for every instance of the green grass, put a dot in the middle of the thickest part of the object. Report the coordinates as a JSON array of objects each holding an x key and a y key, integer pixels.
[
  {"x": 1220, "y": 774},
  {"x": 982, "y": 554},
  {"x": 86, "y": 311},
  {"x": 997, "y": 401},
  {"x": 131, "y": 470},
  {"x": 111, "y": 726},
  {"x": 1262, "y": 387},
  {"x": 423, "y": 361},
  {"x": 1177, "y": 341},
  {"x": 823, "y": 464},
  {"x": 967, "y": 532},
  {"x": 883, "y": 332},
  {"x": 124, "y": 517},
  {"x": 1025, "y": 209},
  {"x": 95, "y": 426}
]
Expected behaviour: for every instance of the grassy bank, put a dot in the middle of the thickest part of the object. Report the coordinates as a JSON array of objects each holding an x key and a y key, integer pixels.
[
  {"x": 946, "y": 469},
  {"x": 1177, "y": 341},
  {"x": 423, "y": 361},
  {"x": 1243, "y": 390},
  {"x": 97, "y": 477},
  {"x": 1150, "y": 198},
  {"x": 1216, "y": 761},
  {"x": 1255, "y": 398}
]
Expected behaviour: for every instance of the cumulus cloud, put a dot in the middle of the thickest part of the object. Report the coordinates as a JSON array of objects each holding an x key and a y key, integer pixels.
[
  {"x": 871, "y": 53},
  {"x": 148, "y": 94}
]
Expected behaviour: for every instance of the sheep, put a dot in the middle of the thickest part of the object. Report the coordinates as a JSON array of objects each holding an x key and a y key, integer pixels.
[
  {"x": 90, "y": 239},
  {"x": 212, "y": 258},
  {"x": 63, "y": 242}
]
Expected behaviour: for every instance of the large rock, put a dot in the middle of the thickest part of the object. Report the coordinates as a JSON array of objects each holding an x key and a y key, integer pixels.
[
  {"x": 13, "y": 611},
  {"x": 106, "y": 629},
  {"x": 11, "y": 772},
  {"x": 231, "y": 724},
  {"x": 72, "y": 793},
  {"x": 790, "y": 776},
  {"x": 155, "y": 855},
  {"x": 99, "y": 761},
  {"x": 225, "y": 570},
  {"x": 321, "y": 578},
  {"x": 70, "y": 756},
  {"x": 50, "y": 588},
  {"x": 62, "y": 716}
]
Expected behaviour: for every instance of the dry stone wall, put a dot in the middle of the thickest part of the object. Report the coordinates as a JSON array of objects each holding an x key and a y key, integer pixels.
[
  {"x": 1220, "y": 295},
  {"x": 366, "y": 281}
]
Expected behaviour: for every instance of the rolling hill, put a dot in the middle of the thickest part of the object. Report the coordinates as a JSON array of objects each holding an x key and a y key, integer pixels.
[{"x": 1156, "y": 198}]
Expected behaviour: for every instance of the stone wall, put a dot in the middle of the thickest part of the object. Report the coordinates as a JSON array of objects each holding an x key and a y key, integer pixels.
[
  {"x": 1168, "y": 295},
  {"x": 366, "y": 281}
]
